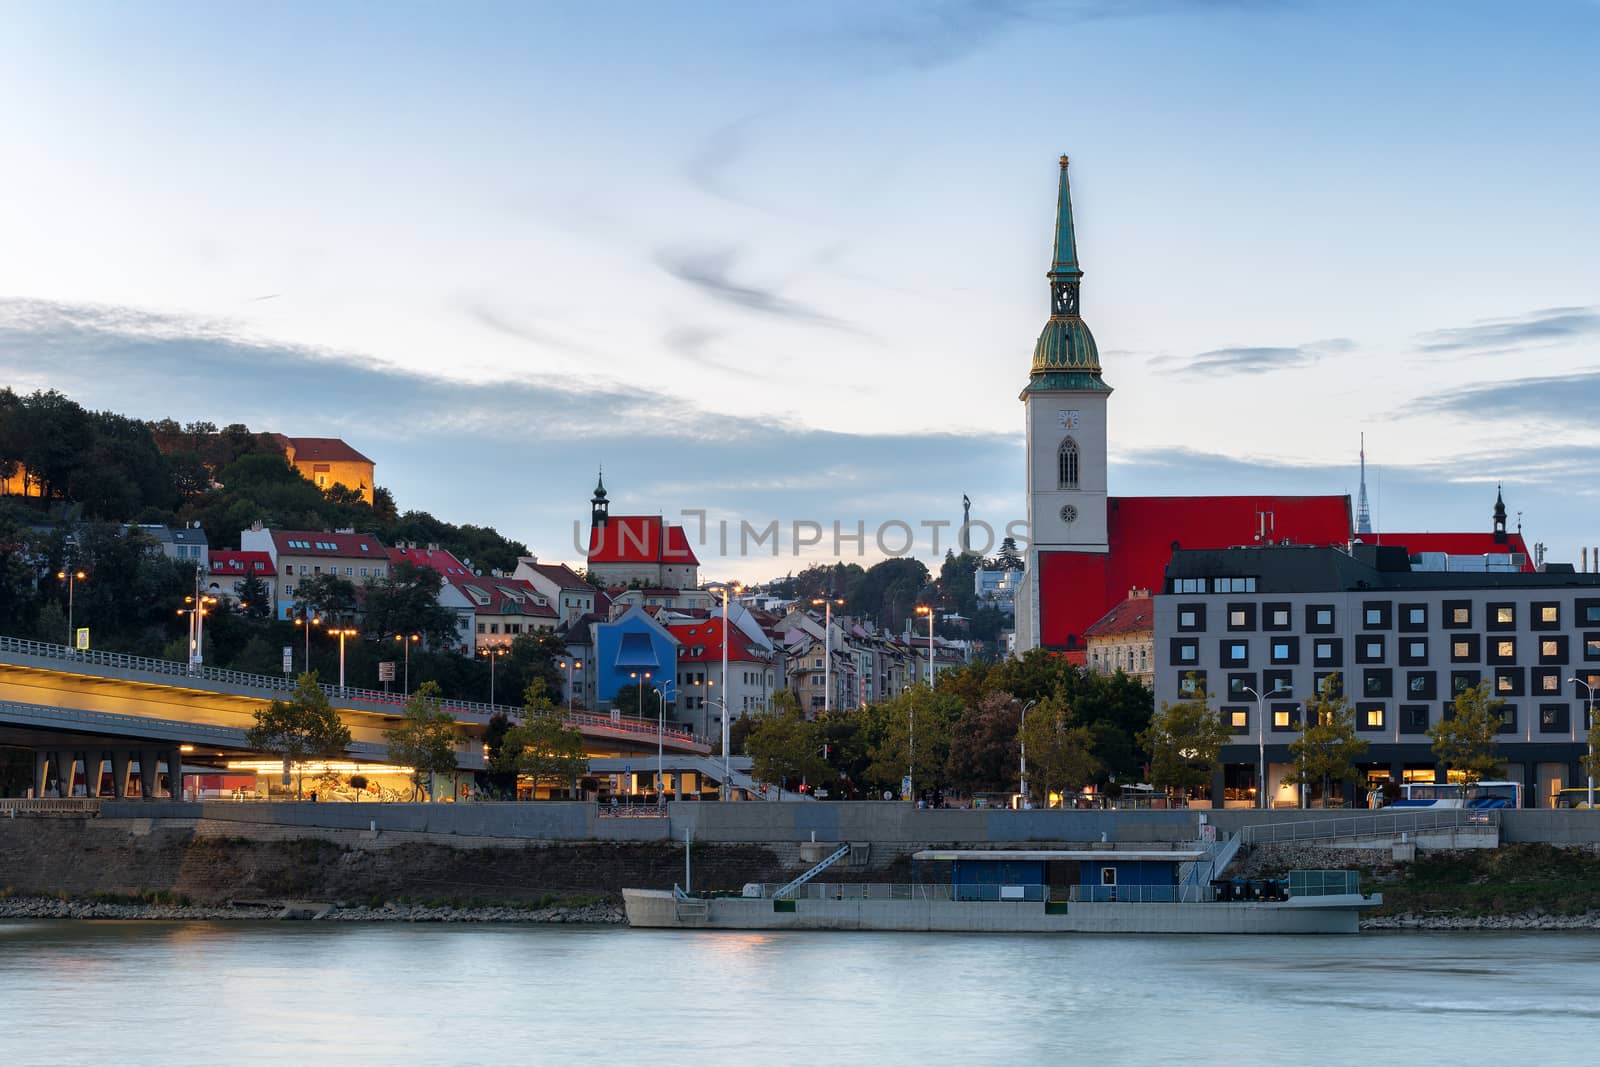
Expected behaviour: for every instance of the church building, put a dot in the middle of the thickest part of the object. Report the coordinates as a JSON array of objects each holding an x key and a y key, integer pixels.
[{"x": 1088, "y": 548}]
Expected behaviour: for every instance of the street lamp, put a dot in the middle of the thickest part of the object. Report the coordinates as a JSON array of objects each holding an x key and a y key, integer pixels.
[
  {"x": 1261, "y": 737},
  {"x": 827, "y": 650},
  {"x": 1023, "y": 745},
  {"x": 341, "y": 633},
  {"x": 569, "y": 666},
  {"x": 727, "y": 588},
  {"x": 641, "y": 679},
  {"x": 1589, "y": 766},
  {"x": 406, "y": 641},
  {"x": 72, "y": 578},
  {"x": 927, "y": 609},
  {"x": 307, "y": 619},
  {"x": 198, "y": 609},
  {"x": 492, "y": 653}
]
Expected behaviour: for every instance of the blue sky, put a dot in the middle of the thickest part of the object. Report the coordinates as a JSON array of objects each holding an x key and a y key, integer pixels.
[{"x": 786, "y": 262}]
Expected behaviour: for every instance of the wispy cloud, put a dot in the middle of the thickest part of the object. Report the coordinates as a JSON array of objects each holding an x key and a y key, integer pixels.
[
  {"x": 1254, "y": 360},
  {"x": 711, "y": 271},
  {"x": 1570, "y": 399},
  {"x": 523, "y": 328},
  {"x": 1546, "y": 326}
]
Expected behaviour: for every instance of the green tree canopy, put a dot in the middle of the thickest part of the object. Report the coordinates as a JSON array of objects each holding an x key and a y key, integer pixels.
[
  {"x": 543, "y": 746},
  {"x": 1185, "y": 743},
  {"x": 1465, "y": 740},
  {"x": 426, "y": 738},
  {"x": 303, "y": 727},
  {"x": 983, "y": 744},
  {"x": 1060, "y": 750},
  {"x": 913, "y": 733},
  {"x": 407, "y": 602},
  {"x": 786, "y": 748}
]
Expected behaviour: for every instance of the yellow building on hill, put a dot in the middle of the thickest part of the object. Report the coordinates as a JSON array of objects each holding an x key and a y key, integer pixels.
[{"x": 327, "y": 462}]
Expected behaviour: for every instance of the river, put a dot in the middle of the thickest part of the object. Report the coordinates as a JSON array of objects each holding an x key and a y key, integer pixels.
[{"x": 286, "y": 993}]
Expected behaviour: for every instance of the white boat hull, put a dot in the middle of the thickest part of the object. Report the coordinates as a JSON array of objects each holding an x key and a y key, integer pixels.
[{"x": 656, "y": 908}]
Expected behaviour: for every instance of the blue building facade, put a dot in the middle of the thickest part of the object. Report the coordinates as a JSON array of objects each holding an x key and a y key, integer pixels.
[{"x": 630, "y": 646}]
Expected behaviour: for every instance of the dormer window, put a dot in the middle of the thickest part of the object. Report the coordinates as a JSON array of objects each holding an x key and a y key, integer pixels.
[{"x": 1067, "y": 464}]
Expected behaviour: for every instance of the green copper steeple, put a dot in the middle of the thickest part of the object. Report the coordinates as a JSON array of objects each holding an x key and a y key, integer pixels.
[{"x": 1065, "y": 356}]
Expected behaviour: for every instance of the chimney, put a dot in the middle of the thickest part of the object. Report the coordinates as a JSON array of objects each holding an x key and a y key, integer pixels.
[
  {"x": 1585, "y": 552},
  {"x": 433, "y": 547}
]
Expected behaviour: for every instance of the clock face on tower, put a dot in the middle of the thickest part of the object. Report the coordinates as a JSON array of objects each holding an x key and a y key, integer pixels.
[
  {"x": 1069, "y": 419},
  {"x": 1069, "y": 513}
]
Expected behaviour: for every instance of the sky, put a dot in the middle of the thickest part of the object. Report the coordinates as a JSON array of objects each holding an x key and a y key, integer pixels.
[{"x": 785, "y": 263}]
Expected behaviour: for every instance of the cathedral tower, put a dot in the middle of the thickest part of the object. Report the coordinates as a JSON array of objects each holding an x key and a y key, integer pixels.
[{"x": 1065, "y": 401}]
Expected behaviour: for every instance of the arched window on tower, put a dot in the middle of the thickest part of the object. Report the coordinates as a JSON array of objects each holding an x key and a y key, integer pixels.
[{"x": 1067, "y": 464}]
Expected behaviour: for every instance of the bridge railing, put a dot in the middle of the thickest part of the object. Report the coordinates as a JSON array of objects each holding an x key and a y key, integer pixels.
[
  {"x": 11, "y": 807},
  {"x": 1379, "y": 825},
  {"x": 286, "y": 683}
]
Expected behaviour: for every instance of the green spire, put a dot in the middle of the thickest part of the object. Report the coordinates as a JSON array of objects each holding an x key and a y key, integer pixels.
[
  {"x": 1065, "y": 357},
  {"x": 1064, "y": 267}
]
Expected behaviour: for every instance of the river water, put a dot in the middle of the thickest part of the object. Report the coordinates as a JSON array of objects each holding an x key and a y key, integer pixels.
[{"x": 289, "y": 993}]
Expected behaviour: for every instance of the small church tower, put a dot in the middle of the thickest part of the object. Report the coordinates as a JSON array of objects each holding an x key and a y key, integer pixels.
[
  {"x": 1499, "y": 517},
  {"x": 600, "y": 507}
]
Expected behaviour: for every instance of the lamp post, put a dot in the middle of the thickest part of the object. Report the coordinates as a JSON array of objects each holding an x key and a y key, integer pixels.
[
  {"x": 492, "y": 653},
  {"x": 827, "y": 650},
  {"x": 406, "y": 641},
  {"x": 197, "y": 610},
  {"x": 1588, "y": 766},
  {"x": 342, "y": 632},
  {"x": 307, "y": 619},
  {"x": 911, "y": 757},
  {"x": 1023, "y": 745},
  {"x": 727, "y": 588},
  {"x": 569, "y": 666},
  {"x": 641, "y": 678},
  {"x": 1261, "y": 737},
  {"x": 927, "y": 609},
  {"x": 72, "y": 578}
]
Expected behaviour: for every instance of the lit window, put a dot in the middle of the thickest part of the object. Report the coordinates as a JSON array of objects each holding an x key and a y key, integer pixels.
[
  {"x": 1461, "y": 650},
  {"x": 1239, "y": 718},
  {"x": 1461, "y": 616},
  {"x": 1549, "y": 613},
  {"x": 1503, "y": 683},
  {"x": 1505, "y": 614},
  {"x": 1549, "y": 647},
  {"x": 1506, "y": 649},
  {"x": 1375, "y": 717},
  {"x": 1550, "y": 683},
  {"x": 1280, "y": 718}
]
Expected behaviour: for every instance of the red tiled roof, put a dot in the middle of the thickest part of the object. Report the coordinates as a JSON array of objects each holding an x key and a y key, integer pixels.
[
  {"x": 703, "y": 641},
  {"x": 320, "y": 543},
  {"x": 504, "y": 596},
  {"x": 562, "y": 575},
  {"x": 225, "y": 563},
  {"x": 639, "y": 539},
  {"x": 433, "y": 558},
  {"x": 1456, "y": 544},
  {"x": 323, "y": 449},
  {"x": 1132, "y": 616}
]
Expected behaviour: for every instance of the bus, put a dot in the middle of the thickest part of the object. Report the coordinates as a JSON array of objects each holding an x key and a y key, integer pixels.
[{"x": 1448, "y": 795}]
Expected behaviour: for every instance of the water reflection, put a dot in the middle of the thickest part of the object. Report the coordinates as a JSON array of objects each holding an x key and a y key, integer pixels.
[{"x": 270, "y": 992}]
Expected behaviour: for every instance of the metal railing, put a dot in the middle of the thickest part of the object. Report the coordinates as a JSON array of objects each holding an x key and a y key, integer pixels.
[
  {"x": 861, "y": 891},
  {"x": 273, "y": 683},
  {"x": 14, "y": 806},
  {"x": 1380, "y": 825},
  {"x": 1141, "y": 894}
]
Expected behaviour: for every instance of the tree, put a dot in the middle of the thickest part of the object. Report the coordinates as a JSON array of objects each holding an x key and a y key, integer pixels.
[
  {"x": 302, "y": 727},
  {"x": 1328, "y": 747},
  {"x": 254, "y": 598},
  {"x": 1007, "y": 558},
  {"x": 912, "y": 733},
  {"x": 500, "y": 777},
  {"x": 1184, "y": 741},
  {"x": 1060, "y": 751},
  {"x": 983, "y": 744},
  {"x": 325, "y": 594},
  {"x": 1464, "y": 741},
  {"x": 629, "y": 702},
  {"x": 543, "y": 746},
  {"x": 407, "y": 602},
  {"x": 786, "y": 747},
  {"x": 426, "y": 738}
]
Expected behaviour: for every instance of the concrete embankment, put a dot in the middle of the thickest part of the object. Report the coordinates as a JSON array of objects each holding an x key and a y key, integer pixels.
[{"x": 597, "y": 913}]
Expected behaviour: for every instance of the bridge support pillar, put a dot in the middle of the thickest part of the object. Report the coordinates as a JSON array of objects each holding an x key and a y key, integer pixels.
[
  {"x": 66, "y": 763},
  {"x": 175, "y": 773},
  {"x": 41, "y": 771},
  {"x": 94, "y": 762},
  {"x": 147, "y": 772},
  {"x": 119, "y": 772}
]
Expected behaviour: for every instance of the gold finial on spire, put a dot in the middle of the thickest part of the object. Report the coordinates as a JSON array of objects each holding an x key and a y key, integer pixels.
[{"x": 1063, "y": 162}]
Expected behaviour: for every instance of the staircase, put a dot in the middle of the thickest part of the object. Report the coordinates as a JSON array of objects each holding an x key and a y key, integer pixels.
[
  {"x": 833, "y": 857},
  {"x": 690, "y": 910}
]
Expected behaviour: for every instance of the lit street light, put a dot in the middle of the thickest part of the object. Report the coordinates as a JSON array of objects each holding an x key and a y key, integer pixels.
[
  {"x": 492, "y": 653},
  {"x": 1023, "y": 745},
  {"x": 569, "y": 666},
  {"x": 641, "y": 679},
  {"x": 727, "y": 588},
  {"x": 927, "y": 609},
  {"x": 827, "y": 651},
  {"x": 72, "y": 578},
  {"x": 197, "y": 610},
  {"x": 1589, "y": 765},
  {"x": 406, "y": 641},
  {"x": 1261, "y": 737},
  {"x": 341, "y": 633},
  {"x": 308, "y": 618}
]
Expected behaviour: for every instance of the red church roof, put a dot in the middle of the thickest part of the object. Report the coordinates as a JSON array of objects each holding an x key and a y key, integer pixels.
[
  {"x": 639, "y": 539},
  {"x": 1077, "y": 588},
  {"x": 225, "y": 563},
  {"x": 1456, "y": 544},
  {"x": 1135, "y": 615}
]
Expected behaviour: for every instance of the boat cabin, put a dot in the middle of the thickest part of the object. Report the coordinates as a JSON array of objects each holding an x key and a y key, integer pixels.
[{"x": 1104, "y": 874}]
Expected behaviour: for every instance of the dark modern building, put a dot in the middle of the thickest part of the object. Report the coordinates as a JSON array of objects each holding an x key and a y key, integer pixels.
[{"x": 1403, "y": 632}]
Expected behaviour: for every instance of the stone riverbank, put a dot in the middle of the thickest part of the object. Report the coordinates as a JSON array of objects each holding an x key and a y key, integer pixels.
[{"x": 591, "y": 914}]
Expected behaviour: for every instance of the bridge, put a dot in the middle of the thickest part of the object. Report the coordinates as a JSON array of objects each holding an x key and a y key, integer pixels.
[{"x": 169, "y": 719}]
